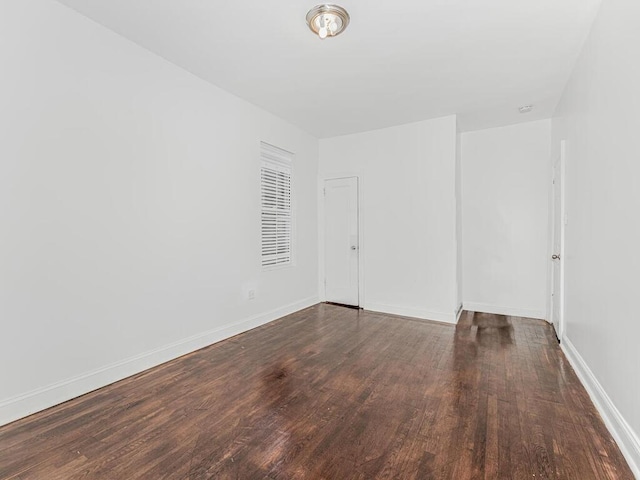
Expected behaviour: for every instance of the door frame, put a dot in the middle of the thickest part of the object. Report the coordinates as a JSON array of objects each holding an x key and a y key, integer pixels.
[
  {"x": 322, "y": 178},
  {"x": 561, "y": 262}
]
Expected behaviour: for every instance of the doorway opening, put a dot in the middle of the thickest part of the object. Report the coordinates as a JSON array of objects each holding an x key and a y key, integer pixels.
[
  {"x": 559, "y": 221},
  {"x": 342, "y": 241}
]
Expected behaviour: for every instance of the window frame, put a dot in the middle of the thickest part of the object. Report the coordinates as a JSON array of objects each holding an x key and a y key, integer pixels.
[{"x": 276, "y": 162}]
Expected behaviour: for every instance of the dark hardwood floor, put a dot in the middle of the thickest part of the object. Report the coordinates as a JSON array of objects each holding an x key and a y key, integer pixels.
[{"x": 334, "y": 393}]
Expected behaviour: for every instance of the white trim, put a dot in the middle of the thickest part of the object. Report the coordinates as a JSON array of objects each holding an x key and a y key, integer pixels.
[
  {"x": 502, "y": 310},
  {"x": 411, "y": 312},
  {"x": 20, "y": 406},
  {"x": 459, "y": 312},
  {"x": 620, "y": 430}
]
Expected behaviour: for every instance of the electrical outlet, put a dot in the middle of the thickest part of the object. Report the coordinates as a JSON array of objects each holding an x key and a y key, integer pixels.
[{"x": 251, "y": 294}]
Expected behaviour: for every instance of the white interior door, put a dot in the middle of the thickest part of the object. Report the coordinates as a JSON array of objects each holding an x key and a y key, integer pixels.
[
  {"x": 557, "y": 258},
  {"x": 341, "y": 244}
]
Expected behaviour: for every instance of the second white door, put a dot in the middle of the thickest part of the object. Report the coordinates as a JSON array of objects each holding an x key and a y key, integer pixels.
[
  {"x": 557, "y": 293},
  {"x": 342, "y": 243}
]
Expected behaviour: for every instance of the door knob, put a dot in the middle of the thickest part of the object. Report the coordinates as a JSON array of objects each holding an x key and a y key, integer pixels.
[
  {"x": 555, "y": 257},
  {"x": 353, "y": 247}
]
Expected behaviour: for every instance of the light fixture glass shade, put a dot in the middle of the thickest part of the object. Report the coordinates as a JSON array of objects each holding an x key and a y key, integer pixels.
[{"x": 327, "y": 20}]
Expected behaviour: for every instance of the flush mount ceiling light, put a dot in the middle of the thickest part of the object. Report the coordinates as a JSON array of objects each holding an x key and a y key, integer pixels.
[
  {"x": 327, "y": 20},
  {"x": 525, "y": 108}
]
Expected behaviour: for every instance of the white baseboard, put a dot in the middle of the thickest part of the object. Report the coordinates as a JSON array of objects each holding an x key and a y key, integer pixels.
[
  {"x": 620, "y": 430},
  {"x": 20, "y": 406},
  {"x": 501, "y": 310},
  {"x": 411, "y": 312}
]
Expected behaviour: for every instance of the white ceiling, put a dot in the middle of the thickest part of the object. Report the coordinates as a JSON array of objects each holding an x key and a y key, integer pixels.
[{"x": 398, "y": 61}]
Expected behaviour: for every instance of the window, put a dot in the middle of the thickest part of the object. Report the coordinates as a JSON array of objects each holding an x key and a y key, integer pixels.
[{"x": 276, "y": 221}]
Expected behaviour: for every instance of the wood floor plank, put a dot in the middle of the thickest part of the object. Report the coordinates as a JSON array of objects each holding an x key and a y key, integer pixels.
[{"x": 334, "y": 393}]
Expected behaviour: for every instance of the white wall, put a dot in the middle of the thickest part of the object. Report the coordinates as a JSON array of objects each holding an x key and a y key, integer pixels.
[
  {"x": 598, "y": 117},
  {"x": 506, "y": 175},
  {"x": 129, "y": 209},
  {"x": 408, "y": 214}
]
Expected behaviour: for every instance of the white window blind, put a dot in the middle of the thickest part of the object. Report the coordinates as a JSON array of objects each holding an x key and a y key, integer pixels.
[{"x": 276, "y": 221}]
